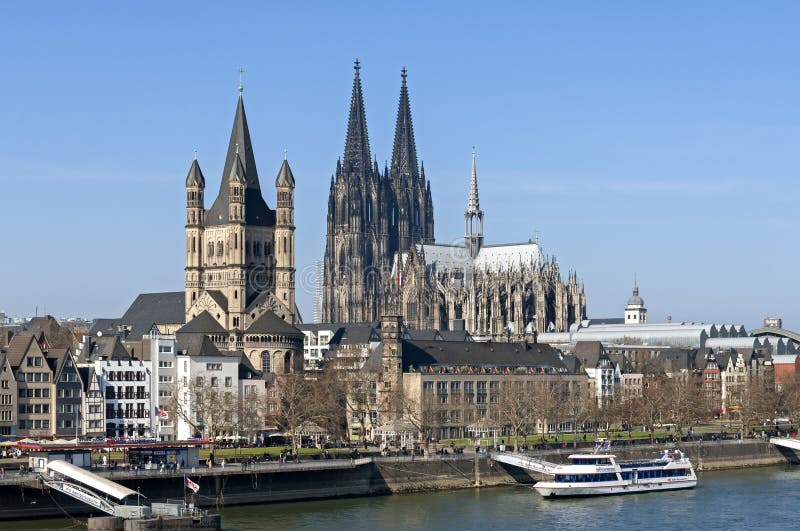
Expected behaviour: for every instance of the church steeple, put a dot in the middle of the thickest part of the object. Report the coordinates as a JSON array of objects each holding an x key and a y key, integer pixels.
[
  {"x": 474, "y": 204},
  {"x": 404, "y": 153},
  {"x": 356, "y": 148},
  {"x": 240, "y": 161},
  {"x": 473, "y": 217}
]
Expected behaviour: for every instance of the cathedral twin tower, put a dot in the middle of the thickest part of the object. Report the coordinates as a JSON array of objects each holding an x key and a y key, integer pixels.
[{"x": 372, "y": 215}]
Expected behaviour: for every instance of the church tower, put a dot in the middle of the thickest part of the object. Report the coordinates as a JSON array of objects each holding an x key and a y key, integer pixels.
[
  {"x": 195, "y": 187},
  {"x": 473, "y": 217},
  {"x": 356, "y": 251},
  {"x": 411, "y": 209},
  {"x": 230, "y": 260},
  {"x": 635, "y": 312},
  {"x": 284, "y": 238}
]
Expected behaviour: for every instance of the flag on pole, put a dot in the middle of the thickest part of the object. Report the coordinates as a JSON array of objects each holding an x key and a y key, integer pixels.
[
  {"x": 191, "y": 484},
  {"x": 161, "y": 413}
]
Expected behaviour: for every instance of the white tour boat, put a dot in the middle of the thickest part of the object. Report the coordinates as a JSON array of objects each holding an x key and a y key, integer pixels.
[{"x": 602, "y": 474}]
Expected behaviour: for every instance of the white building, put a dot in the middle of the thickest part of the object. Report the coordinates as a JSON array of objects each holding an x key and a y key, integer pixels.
[
  {"x": 163, "y": 348},
  {"x": 128, "y": 388},
  {"x": 316, "y": 341},
  {"x": 207, "y": 394},
  {"x": 635, "y": 312}
]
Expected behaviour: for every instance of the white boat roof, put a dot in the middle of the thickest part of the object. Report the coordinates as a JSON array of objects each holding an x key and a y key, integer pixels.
[
  {"x": 94, "y": 481},
  {"x": 590, "y": 456}
]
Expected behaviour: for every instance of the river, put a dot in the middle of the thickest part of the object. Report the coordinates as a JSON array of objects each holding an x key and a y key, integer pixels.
[{"x": 762, "y": 498}]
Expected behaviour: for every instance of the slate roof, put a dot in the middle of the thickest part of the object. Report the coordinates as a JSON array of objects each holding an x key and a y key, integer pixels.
[
  {"x": 355, "y": 334},
  {"x": 109, "y": 347},
  {"x": 269, "y": 323},
  {"x": 455, "y": 335},
  {"x": 219, "y": 298},
  {"x": 87, "y": 373},
  {"x": 202, "y": 324},
  {"x": 418, "y": 353},
  {"x": 588, "y": 352},
  {"x": 424, "y": 335},
  {"x": 195, "y": 176},
  {"x": 105, "y": 325},
  {"x": 246, "y": 369},
  {"x": 285, "y": 177},
  {"x": 240, "y": 147},
  {"x": 154, "y": 308},
  {"x": 196, "y": 345},
  {"x": 56, "y": 358}
]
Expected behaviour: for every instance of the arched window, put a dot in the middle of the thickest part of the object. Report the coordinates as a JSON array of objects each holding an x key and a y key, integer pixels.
[
  {"x": 284, "y": 244},
  {"x": 265, "y": 362},
  {"x": 235, "y": 241},
  {"x": 210, "y": 249},
  {"x": 287, "y": 362}
]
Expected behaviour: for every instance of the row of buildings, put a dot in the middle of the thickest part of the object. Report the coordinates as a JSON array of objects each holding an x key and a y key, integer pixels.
[{"x": 133, "y": 380}]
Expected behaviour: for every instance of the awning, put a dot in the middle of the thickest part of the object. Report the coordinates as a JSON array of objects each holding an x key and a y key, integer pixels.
[{"x": 93, "y": 481}]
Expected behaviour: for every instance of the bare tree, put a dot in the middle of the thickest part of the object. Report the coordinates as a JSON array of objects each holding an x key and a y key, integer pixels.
[
  {"x": 296, "y": 405},
  {"x": 758, "y": 401},
  {"x": 425, "y": 413},
  {"x": 683, "y": 400},
  {"x": 788, "y": 394},
  {"x": 206, "y": 407},
  {"x": 515, "y": 408},
  {"x": 653, "y": 401},
  {"x": 573, "y": 405}
]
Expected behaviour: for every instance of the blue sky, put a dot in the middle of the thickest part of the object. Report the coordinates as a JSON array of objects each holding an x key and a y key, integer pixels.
[{"x": 657, "y": 140}]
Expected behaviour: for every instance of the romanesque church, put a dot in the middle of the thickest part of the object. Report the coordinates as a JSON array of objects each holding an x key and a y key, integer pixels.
[
  {"x": 240, "y": 267},
  {"x": 239, "y": 295},
  {"x": 381, "y": 256}
]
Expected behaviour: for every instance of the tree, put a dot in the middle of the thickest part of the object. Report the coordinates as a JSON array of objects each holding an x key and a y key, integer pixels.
[
  {"x": 573, "y": 405},
  {"x": 206, "y": 407},
  {"x": 424, "y": 412},
  {"x": 758, "y": 401},
  {"x": 515, "y": 407},
  {"x": 653, "y": 401},
  {"x": 683, "y": 395},
  {"x": 296, "y": 404},
  {"x": 788, "y": 394}
]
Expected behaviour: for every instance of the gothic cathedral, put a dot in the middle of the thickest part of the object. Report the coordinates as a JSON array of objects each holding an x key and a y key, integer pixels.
[{"x": 381, "y": 257}]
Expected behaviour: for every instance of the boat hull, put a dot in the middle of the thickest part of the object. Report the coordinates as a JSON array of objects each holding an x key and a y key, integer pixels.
[{"x": 554, "y": 490}]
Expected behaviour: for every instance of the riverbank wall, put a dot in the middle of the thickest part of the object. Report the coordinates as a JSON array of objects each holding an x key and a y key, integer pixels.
[{"x": 272, "y": 482}]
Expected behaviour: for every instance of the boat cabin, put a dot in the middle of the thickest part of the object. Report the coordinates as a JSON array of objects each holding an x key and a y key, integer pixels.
[{"x": 591, "y": 459}]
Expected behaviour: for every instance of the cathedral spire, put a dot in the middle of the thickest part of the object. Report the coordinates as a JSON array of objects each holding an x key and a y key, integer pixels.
[
  {"x": 404, "y": 153},
  {"x": 474, "y": 203},
  {"x": 356, "y": 148},
  {"x": 473, "y": 217}
]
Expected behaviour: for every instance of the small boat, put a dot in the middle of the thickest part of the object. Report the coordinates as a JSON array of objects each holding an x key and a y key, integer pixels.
[{"x": 602, "y": 474}]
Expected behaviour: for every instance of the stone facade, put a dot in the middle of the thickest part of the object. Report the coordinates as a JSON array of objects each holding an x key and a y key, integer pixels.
[
  {"x": 240, "y": 265},
  {"x": 239, "y": 253},
  {"x": 372, "y": 215}
]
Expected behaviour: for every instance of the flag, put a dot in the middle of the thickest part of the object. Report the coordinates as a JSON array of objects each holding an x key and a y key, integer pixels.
[
  {"x": 189, "y": 484},
  {"x": 161, "y": 413}
]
